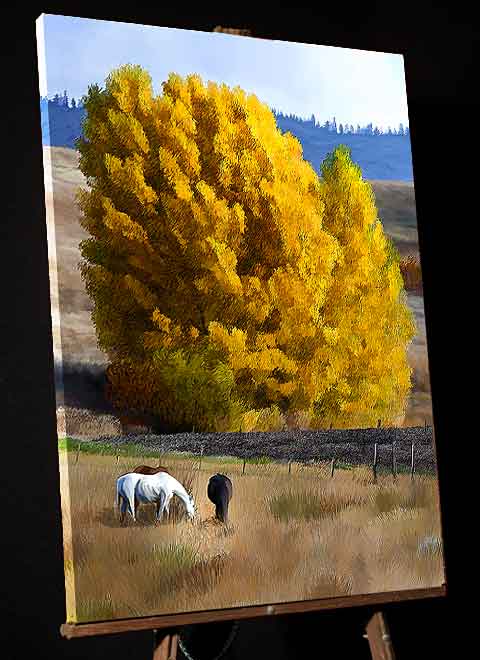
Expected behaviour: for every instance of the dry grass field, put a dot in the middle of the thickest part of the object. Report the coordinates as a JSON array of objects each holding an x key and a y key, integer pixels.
[{"x": 290, "y": 537}]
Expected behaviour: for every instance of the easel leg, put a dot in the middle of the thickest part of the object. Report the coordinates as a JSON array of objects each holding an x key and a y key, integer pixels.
[
  {"x": 165, "y": 644},
  {"x": 379, "y": 639}
]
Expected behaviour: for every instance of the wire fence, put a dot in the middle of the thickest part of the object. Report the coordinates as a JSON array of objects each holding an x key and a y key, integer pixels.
[{"x": 384, "y": 450}]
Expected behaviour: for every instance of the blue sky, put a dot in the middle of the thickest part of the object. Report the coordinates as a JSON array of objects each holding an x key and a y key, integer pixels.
[{"x": 355, "y": 86}]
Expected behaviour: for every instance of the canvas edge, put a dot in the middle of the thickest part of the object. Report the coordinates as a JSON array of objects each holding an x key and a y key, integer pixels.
[
  {"x": 67, "y": 530},
  {"x": 74, "y": 630},
  {"x": 427, "y": 337},
  {"x": 228, "y": 31},
  {"x": 440, "y": 503}
]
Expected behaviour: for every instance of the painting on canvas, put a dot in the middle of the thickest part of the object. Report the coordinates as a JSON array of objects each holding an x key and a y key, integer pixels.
[{"x": 243, "y": 394}]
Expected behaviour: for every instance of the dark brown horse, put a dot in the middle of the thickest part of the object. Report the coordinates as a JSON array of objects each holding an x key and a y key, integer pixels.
[
  {"x": 219, "y": 492},
  {"x": 146, "y": 469}
]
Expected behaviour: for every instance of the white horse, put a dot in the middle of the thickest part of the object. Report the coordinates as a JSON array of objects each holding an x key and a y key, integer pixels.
[{"x": 134, "y": 489}]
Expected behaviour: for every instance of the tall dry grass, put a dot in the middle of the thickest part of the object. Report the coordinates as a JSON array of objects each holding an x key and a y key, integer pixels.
[{"x": 291, "y": 537}]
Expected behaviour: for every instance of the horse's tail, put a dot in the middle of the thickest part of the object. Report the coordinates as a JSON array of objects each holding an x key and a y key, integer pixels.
[
  {"x": 117, "y": 494},
  {"x": 221, "y": 508},
  {"x": 126, "y": 491},
  {"x": 130, "y": 494}
]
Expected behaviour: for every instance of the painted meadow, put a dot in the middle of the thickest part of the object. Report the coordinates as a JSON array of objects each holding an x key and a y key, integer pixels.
[
  {"x": 207, "y": 278},
  {"x": 291, "y": 536}
]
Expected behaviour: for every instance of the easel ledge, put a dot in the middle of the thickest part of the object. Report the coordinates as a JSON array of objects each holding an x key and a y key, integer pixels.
[{"x": 172, "y": 621}]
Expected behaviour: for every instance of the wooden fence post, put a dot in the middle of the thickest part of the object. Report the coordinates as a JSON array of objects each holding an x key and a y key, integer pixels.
[
  {"x": 412, "y": 466},
  {"x": 289, "y": 466},
  {"x": 78, "y": 452},
  {"x": 334, "y": 460},
  {"x": 394, "y": 461},
  {"x": 243, "y": 470},
  {"x": 375, "y": 463},
  {"x": 379, "y": 423}
]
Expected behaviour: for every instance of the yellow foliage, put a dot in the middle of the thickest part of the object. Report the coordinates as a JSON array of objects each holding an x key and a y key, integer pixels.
[
  {"x": 249, "y": 421},
  {"x": 161, "y": 321},
  {"x": 210, "y": 232}
]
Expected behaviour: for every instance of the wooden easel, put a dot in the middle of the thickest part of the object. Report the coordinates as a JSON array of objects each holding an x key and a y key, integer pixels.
[
  {"x": 377, "y": 633},
  {"x": 379, "y": 639},
  {"x": 165, "y": 644}
]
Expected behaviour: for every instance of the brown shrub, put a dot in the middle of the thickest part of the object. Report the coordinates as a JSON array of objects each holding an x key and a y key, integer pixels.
[{"x": 412, "y": 273}]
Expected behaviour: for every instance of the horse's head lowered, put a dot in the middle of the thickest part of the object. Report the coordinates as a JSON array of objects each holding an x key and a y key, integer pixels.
[{"x": 190, "y": 507}]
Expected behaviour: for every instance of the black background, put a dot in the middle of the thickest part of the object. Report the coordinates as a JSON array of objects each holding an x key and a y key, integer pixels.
[{"x": 439, "y": 45}]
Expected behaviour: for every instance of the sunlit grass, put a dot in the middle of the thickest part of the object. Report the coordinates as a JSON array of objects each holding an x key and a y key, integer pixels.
[{"x": 307, "y": 505}]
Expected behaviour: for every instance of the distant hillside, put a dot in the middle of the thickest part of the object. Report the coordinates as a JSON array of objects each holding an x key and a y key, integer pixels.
[
  {"x": 61, "y": 126},
  {"x": 381, "y": 157}
]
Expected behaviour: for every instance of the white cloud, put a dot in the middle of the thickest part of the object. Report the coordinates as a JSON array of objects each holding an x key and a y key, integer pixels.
[{"x": 355, "y": 86}]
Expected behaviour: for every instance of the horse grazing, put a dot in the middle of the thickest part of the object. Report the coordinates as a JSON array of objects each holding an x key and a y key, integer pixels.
[
  {"x": 219, "y": 492},
  {"x": 135, "y": 488}
]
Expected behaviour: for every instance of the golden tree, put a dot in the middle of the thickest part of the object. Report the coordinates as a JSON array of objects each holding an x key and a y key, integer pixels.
[
  {"x": 366, "y": 317},
  {"x": 232, "y": 287}
]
